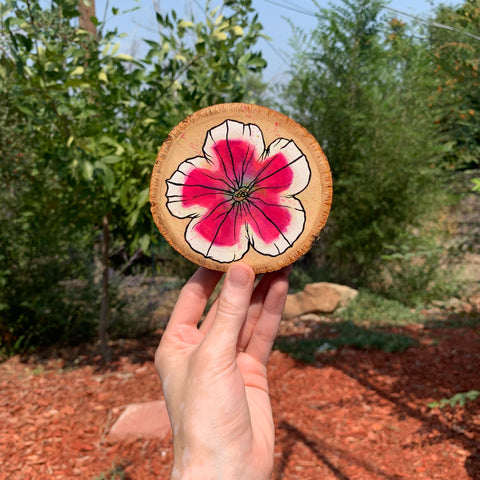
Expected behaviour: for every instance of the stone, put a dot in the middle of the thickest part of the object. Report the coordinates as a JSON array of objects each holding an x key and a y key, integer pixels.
[
  {"x": 141, "y": 420},
  {"x": 321, "y": 297}
]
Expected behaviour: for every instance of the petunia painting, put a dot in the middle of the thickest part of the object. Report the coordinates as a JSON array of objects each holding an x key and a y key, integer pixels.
[{"x": 240, "y": 194}]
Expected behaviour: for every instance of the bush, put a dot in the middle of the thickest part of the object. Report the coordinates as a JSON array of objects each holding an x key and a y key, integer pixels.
[
  {"x": 362, "y": 87},
  {"x": 416, "y": 276},
  {"x": 347, "y": 334},
  {"x": 368, "y": 308}
]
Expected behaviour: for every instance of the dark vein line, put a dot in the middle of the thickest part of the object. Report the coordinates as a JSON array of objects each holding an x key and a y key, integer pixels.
[
  {"x": 245, "y": 164},
  {"x": 181, "y": 198},
  {"x": 218, "y": 155},
  {"x": 235, "y": 221},
  {"x": 254, "y": 221},
  {"x": 227, "y": 140},
  {"x": 230, "y": 186},
  {"x": 267, "y": 154},
  {"x": 218, "y": 230},
  {"x": 271, "y": 221},
  {"x": 277, "y": 187},
  {"x": 273, "y": 204},
  {"x": 223, "y": 164},
  {"x": 255, "y": 180},
  {"x": 209, "y": 214},
  {"x": 280, "y": 169},
  {"x": 197, "y": 186}
]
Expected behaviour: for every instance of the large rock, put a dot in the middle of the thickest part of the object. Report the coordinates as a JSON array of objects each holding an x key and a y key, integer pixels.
[
  {"x": 321, "y": 297},
  {"x": 141, "y": 420}
]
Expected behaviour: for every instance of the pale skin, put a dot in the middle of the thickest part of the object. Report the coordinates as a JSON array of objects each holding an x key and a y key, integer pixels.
[{"x": 214, "y": 377}]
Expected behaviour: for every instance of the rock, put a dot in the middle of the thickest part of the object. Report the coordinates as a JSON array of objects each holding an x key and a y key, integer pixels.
[
  {"x": 144, "y": 420},
  {"x": 320, "y": 297}
]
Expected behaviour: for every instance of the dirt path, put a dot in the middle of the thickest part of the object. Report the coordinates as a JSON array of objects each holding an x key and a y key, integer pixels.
[{"x": 351, "y": 415}]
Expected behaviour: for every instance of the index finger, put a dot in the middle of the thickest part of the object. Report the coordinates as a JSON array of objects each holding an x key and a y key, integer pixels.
[{"x": 193, "y": 298}]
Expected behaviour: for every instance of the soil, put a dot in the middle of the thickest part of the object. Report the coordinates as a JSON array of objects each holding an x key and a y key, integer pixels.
[{"x": 350, "y": 415}]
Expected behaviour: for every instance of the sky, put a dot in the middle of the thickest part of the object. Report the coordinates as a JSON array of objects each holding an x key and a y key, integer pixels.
[{"x": 273, "y": 15}]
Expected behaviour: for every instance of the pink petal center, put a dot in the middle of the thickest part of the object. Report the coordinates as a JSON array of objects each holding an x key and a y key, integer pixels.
[{"x": 240, "y": 190}]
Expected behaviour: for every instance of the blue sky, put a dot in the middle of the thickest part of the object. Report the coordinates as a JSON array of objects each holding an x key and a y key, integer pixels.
[{"x": 141, "y": 23}]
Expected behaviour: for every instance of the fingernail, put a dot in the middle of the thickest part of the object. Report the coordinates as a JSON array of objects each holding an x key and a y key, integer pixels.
[{"x": 239, "y": 276}]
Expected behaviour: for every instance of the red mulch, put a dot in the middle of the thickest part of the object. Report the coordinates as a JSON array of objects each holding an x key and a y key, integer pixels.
[{"x": 352, "y": 415}]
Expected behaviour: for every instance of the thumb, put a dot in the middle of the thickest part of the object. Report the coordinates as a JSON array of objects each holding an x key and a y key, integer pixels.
[{"x": 232, "y": 307}]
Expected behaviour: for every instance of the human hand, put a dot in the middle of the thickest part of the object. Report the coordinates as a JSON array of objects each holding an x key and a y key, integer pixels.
[{"x": 214, "y": 377}]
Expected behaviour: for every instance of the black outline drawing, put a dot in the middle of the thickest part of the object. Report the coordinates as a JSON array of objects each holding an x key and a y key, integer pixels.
[{"x": 234, "y": 186}]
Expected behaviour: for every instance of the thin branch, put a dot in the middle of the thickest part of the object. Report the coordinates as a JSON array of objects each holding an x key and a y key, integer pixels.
[{"x": 433, "y": 24}]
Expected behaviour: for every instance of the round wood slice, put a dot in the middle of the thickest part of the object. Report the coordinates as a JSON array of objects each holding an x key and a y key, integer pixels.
[{"x": 240, "y": 182}]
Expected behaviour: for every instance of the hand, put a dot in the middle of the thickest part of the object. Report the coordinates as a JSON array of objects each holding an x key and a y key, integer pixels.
[{"x": 214, "y": 377}]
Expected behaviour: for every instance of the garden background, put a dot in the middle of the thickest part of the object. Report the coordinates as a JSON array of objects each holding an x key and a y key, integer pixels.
[{"x": 393, "y": 100}]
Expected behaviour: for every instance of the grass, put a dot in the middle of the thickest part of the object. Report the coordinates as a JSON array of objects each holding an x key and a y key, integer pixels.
[
  {"x": 363, "y": 324},
  {"x": 347, "y": 335},
  {"x": 116, "y": 472},
  {"x": 458, "y": 399},
  {"x": 371, "y": 309}
]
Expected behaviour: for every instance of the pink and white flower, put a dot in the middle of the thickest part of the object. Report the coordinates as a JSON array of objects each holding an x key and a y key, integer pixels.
[{"x": 240, "y": 194}]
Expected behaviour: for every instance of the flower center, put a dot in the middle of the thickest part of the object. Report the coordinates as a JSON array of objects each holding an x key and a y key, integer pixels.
[{"x": 241, "y": 194}]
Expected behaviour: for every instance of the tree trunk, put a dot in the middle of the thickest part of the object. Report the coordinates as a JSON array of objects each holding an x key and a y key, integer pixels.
[
  {"x": 102, "y": 330},
  {"x": 87, "y": 11}
]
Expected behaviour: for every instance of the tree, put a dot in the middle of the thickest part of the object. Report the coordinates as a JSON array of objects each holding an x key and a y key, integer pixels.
[
  {"x": 87, "y": 11},
  {"x": 95, "y": 118},
  {"x": 457, "y": 67},
  {"x": 360, "y": 84}
]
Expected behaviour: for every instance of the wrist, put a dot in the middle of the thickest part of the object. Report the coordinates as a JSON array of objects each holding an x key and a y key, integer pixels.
[
  {"x": 206, "y": 473},
  {"x": 217, "y": 472}
]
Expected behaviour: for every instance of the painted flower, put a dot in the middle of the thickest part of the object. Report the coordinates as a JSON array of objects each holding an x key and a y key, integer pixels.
[{"x": 240, "y": 194}]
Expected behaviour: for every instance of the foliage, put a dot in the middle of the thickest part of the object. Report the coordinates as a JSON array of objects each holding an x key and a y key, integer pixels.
[
  {"x": 457, "y": 399},
  {"x": 116, "y": 472},
  {"x": 87, "y": 122},
  {"x": 361, "y": 87},
  {"x": 36, "y": 260},
  {"x": 368, "y": 308},
  {"x": 457, "y": 67},
  {"x": 417, "y": 273},
  {"x": 346, "y": 334}
]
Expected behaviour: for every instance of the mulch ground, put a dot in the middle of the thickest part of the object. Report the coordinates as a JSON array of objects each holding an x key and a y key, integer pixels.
[{"x": 351, "y": 415}]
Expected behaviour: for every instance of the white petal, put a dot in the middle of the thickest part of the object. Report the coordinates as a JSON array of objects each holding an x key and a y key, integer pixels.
[
  {"x": 296, "y": 161},
  {"x": 233, "y": 130},
  {"x": 219, "y": 253},
  {"x": 287, "y": 237},
  {"x": 175, "y": 188}
]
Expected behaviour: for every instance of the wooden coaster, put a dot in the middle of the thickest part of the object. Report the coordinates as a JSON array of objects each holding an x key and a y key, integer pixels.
[{"x": 240, "y": 182}]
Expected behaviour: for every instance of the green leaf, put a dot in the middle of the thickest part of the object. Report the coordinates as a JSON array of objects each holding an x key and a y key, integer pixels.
[
  {"x": 77, "y": 71},
  {"x": 124, "y": 57},
  {"x": 108, "y": 176},
  {"x": 108, "y": 141},
  {"x": 102, "y": 76},
  {"x": 148, "y": 121},
  {"x": 185, "y": 24},
  {"x": 111, "y": 159},
  {"x": 476, "y": 184},
  {"x": 218, "y": 35},
  {"x": 143, "y": 197},
  {"x": 133, "y": 218},
  {"x": 237, "y": 30},
  {"x": 115, "y": 49},
  {"x": 87, "y": 170},
  {"x": 257, "y": 62},
  {"x": 144, "y": 242}
]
